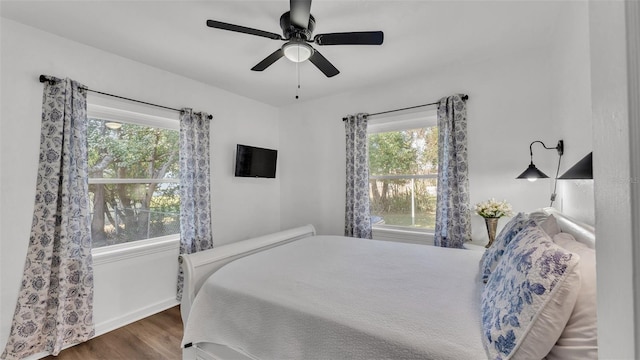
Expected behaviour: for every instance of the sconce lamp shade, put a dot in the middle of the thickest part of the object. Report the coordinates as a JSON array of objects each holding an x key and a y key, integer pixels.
[
  {"x": 532, "y": 173},
  {"x": 583, "y": 169}
]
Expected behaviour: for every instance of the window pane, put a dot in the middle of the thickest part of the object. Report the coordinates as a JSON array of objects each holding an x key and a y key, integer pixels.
[
  {"x": 123, "y": 210},
  {"x": 403, "y": 168},
  {"x": 132, "y": 151},
  {"x": 394, "y": 203},
  {"x": 125, "y": 216}
]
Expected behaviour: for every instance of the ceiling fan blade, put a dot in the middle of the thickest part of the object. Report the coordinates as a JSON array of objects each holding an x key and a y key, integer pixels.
[
  {"x": 242, "y": 29},
  {"x": 300, "y": 10},
  {"x": 268, "y": 60},
  {"x": 323, "y": 64},
  {"x": 350, "y": 38}
]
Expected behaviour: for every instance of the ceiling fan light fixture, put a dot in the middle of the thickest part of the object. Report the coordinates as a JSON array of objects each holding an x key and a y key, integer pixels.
[{"x": 297, "y": 51}]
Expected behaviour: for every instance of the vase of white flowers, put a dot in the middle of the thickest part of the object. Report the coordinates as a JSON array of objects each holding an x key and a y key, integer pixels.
[{"x": 492, "y": 210}]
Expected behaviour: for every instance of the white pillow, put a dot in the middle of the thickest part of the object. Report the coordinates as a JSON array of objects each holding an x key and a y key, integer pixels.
[
  {"x": 548, "y": 223},
  {"x": 529, "y": 297},
  {"x": 566, "y": 240},
  {"x": 579, "y": 340}
]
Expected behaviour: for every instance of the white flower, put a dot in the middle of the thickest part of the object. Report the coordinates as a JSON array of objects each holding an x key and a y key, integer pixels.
[{"x": 494, "y": 209}]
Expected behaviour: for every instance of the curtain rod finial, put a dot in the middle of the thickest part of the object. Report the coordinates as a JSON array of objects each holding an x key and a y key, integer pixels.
[{"x": 45, "y": 78}]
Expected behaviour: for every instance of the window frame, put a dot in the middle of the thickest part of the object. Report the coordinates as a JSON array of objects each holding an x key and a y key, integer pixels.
[
  {"x": 398, "y": 122},
  {"x": 140, "y": 116}
]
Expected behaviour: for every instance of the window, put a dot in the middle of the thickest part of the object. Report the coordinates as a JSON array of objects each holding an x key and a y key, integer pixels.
[
  {"x": 403, "y": 171},
  {"x": 133, "y": 176}
]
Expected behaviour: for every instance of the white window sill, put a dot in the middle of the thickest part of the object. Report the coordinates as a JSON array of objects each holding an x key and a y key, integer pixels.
[
  {"x": 107, "y": 254},
  {"x": 407, "y": 235}
]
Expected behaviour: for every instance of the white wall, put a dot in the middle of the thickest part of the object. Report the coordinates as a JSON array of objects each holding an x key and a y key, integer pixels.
[
  {"x": 242, "y": 208},
  {"x": 616, "y": 163},
  {"x": 509, "y": 106},
  {"x": 571, "y": 109}
]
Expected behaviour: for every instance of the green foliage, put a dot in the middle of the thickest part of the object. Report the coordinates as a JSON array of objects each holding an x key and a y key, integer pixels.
[
  {"x": 166, "y": 199},
  {"x": 392, "y": 153},
  {"x": 137, "y": 151},
  {"x": 404, "y": 152},
  {"x": 429, "y": 155}
]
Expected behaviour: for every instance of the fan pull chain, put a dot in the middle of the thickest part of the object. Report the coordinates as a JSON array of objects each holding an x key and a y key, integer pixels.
[{"x": 298, "y": 74}]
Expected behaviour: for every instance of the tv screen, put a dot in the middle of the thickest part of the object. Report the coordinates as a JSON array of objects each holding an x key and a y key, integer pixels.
[{"x": 255, "y": 162}]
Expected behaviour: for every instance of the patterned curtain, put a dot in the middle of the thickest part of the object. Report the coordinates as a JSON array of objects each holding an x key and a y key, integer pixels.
[
  {"x": 357, "y": 222},
  {"x": 453, "y": 217},
  {"x": 195, "y": 198},
  {"x": 55, "y": 302}
]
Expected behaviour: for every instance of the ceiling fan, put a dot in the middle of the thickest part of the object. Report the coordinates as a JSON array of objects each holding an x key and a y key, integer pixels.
[{"x": 297, "y": 25}]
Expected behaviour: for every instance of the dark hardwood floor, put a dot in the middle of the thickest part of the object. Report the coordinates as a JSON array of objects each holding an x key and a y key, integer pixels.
[{"x": 155, "y": 337}]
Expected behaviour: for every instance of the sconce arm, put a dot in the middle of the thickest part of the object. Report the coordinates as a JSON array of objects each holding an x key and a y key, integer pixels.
[{"x": 560, "y": 149}]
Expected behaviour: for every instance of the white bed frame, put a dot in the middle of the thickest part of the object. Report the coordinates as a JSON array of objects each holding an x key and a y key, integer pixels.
[
  {"x": 199, "y": 266},
  {"x": 582, "y": 232}
]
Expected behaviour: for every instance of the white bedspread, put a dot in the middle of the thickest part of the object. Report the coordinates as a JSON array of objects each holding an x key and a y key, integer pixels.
[{"x": 331, "y": 297}]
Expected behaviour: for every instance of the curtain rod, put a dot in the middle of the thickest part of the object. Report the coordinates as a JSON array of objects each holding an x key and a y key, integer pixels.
[
  {"x": 463, "y": 97},
  {"x": 44, "y": 78}
]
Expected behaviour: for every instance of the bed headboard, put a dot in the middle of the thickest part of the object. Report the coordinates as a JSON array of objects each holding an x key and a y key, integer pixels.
[
  {"x": 199, "y": 266},
  {"x": 582, "y": 232}
]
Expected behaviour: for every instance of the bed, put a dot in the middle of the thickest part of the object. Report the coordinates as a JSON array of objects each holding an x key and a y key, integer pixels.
[{"x": 298, "y": 295}]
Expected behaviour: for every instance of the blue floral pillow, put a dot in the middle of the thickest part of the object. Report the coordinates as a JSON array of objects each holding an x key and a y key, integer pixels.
[
  {"x": 529, "y": 297},
  {"x": 492, "y": 256}
]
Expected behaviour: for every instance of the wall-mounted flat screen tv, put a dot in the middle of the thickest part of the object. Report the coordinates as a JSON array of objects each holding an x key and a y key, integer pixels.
[{"x": 253, "y": 161}]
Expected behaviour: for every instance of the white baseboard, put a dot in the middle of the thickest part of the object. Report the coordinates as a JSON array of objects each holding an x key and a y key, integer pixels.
[{"x": 126, "y": 319}]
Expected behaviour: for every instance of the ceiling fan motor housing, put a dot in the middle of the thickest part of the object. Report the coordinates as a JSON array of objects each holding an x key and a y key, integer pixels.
[{"x": 291, "y": 31}]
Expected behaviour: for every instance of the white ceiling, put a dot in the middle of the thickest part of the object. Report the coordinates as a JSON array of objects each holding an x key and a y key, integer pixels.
[{"x": 419, "y": 36}]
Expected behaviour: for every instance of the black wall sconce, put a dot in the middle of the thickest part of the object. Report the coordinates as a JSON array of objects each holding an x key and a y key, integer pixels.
[
  {"x": 532, "y": 173},
  {"x": 583, "y": 169}
]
